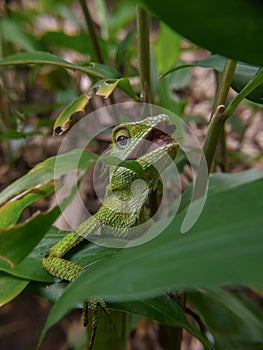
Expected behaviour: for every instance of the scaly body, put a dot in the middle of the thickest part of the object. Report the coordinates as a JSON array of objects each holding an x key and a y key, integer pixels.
[{"x": 124, "y": 205}]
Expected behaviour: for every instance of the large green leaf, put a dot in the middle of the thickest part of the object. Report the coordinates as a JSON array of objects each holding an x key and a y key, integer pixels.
[
  {"x": 17, "y": 241},
  {"x": 162, "y": 309},
  {"x": 228, "y": 27},
  {"x": 243, "y": 74},
  {"x": 224, "y": 247},
  {"x": 31, "y": 267},
  {"x": 165, "y": 59},
  {"x": 41, "y": 57},
  {"x": 238, "y": 323},
  {"x": 221, "y": 182},
  {"x": 45, "y": 171},
  {"x": 10, "y": 287},
  {"x": 11, "y": 211}
]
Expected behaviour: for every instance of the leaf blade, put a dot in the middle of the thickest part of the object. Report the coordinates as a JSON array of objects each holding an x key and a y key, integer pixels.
[
  {"x": 10, "y": 287},
  {"x": 44, "y": 171},
  {"x": 64, "y": 120},
  {"x": 210, "y": 255}
]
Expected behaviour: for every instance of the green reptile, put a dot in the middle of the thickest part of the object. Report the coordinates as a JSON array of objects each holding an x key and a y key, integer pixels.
[{"x": 124, "y": 208}]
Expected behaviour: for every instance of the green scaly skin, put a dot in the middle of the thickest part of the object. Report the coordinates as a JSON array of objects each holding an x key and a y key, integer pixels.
[{"x": 124, "y": 205}]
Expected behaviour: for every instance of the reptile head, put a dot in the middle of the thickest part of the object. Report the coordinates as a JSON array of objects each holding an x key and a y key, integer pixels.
[{"x": 137, "y": 139}]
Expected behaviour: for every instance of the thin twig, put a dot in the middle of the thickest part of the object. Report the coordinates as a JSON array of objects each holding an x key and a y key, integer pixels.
[
  {"x": 143, "y": 28},
  {"x": 92, "y": 31}
]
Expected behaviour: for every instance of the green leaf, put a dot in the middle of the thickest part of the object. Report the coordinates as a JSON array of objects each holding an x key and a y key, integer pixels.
[
  {"x": 221, "y": 182},
  {"x": 106, "y": 87},
  {"x": 165, "y": 59},
  {"x": 128, "y": 164},
  {"x": 243, "y": 74},
  {"x": 230, "y": 28},
  {"x": 44, "y": 171},
  {"x": 123, "y": 47},
  {"x": 10, "y": 287},
  {"x": 162, "y": 309},
  {"x": 16, "y": 242},
  {"x": 11, "y": 211},
  {"x": 216, "y": 62},
  {"x": 41, "y": 57},
  {"x": 238, "y": 323},
  {"x": 80, "y": 42},
  {"x": 224, "y": 247},
  {"x": 63, "y": 121},
  {"x": 111, "y": 77},
  {"x": 31, "y": 267},
  {"x": 14, "y": 34},
  {"x": 169, "y": 99}
]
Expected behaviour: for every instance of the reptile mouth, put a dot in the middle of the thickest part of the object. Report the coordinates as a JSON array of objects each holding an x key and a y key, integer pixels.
[{"x": 157, "y": 137}]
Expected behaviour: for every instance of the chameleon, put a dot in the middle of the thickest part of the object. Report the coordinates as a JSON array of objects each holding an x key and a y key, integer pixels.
[{"x": 124, "y": 208}]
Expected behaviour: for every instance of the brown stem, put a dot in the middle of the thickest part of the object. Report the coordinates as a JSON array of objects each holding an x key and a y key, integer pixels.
[
  {"x": 143, "y": 27},
  {"x": 92, "y": 31}
]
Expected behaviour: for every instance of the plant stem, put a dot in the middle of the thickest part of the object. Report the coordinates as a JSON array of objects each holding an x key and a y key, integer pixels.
[
  {"x": 171, "y": 337},
  {"x": 221, "y": 114},
  {"x": 213, "y": 134},
  {"x": 143, "y": 28},
  {"x": 92, "y": 31},
  {"x": 216, "y": 126},
  {"x": 112, "y": 332},
  {"x": 251, "y": 85},
  {"x": 222, "y": 152},
  {"x": 224, "y": 84}
]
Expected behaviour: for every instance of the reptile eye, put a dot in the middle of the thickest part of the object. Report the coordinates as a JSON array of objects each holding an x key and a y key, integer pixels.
[
  {"x": 122, "y": 141},
  {"x": 121, "y": 137}
]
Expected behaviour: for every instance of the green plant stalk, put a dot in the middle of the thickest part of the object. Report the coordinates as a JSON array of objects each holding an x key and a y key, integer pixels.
[
  {"x": 143, "y": 28},
  {"x": 221, "y": 156},
  {"x": 92, "y": 31},
  {"x": 216, "y": 127},
  {"x": 213, "y": 135},
  {"x": 221, "y": 114},
  {"x": 251, "y": 85},
  {"x": 113, "y": 331},
  {"x": 171, "y": 337},
  {"x": 224, "y": 84},
  {"x": 220, "y": 99}
]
